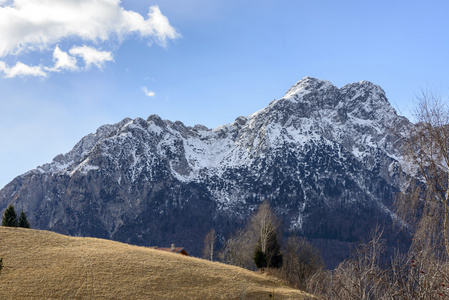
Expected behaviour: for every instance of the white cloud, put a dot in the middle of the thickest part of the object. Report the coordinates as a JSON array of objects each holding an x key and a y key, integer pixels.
[
  {"x": 148, "y": 93},
  {"x": 92, "y": 56},
  {"x": 63, "y": 61},
  {"x": 156, "y": 25},
  {"x": 21, "y": 70},
  {"x": 39, "y": 25}
]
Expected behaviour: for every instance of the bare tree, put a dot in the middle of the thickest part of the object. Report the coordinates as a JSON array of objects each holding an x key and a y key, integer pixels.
[
  {"x": 301, "y": 261},
  {"x": 425, "y": 203},
  {"x": 423, "y": 278},
  {"x": 359, "y": 277},
  {"x": 238, "y": 250},
  {"x": 364, "y": 276},
  {"x": 264, "y": 225},
  {"x": 209, "y": 244}
]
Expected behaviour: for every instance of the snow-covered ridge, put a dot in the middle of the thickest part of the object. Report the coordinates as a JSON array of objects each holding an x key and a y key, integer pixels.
[{"x": 355, "y": 116}]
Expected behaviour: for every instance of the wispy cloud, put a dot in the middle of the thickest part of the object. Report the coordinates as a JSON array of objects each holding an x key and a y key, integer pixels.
[
  {"x": 21, "y": 70},
  {"x": 39, "y": 25},
  {"x": 148, "y": 93}
]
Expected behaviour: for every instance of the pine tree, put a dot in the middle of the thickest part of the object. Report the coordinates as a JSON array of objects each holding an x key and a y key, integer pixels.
[
  {"x": 10, "y": 217},
  {"x": 23, "y": 222},
  {"x": 273, "y": 252},
  {"x": 260, "y": 259}
]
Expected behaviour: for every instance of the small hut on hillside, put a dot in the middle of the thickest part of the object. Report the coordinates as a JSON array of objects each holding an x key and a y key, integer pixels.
[{"x": 173, "y": 249}]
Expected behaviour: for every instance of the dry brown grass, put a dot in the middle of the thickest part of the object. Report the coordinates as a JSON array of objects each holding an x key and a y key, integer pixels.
[{"x": 45, "y": 265}]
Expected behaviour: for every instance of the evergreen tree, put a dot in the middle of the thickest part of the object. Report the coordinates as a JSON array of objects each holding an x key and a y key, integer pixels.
[
  {"x": 273, "y": 252},
  {"x": 10, "y": 217},
  {"x": 260, "y": 259},
  {"x": 23, "y": 222}
]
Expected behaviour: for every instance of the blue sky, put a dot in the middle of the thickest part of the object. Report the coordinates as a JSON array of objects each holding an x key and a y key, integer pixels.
[{"x": 70, "y": 66}]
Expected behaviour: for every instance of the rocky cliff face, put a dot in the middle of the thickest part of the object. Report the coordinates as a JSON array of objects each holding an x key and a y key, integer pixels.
[{"x": 324, "y": 157}]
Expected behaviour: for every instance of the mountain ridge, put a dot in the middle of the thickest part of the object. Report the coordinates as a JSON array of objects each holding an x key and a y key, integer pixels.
[
  {"x": 316, "y": 154},
  {"x": 88, "y": 142}
]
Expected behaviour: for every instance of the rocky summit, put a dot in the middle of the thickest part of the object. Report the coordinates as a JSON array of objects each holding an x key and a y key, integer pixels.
[{"x": 325, "y": 158}]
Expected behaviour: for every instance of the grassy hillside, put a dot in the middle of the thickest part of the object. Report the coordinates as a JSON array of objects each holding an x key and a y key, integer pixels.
[{"x": 46, "y": 265}]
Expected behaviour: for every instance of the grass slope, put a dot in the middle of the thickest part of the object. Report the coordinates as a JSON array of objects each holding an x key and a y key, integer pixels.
[{"x": 45, "y": 265}]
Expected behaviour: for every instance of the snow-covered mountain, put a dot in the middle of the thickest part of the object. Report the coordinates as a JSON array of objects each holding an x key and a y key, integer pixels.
[{"x": 324, "y": 157}]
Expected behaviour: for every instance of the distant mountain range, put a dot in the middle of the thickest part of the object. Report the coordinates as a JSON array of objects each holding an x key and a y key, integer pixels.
[{"x": 325, "y": 158}]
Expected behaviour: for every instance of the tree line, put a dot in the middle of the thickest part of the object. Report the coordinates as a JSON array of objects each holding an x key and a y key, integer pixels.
[{"x": 10, "y": 218}]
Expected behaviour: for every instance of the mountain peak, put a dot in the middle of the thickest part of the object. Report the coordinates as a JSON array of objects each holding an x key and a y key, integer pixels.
[
  {"x": 312, "y": 94},
  {"x": 306, "y": 85}
]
